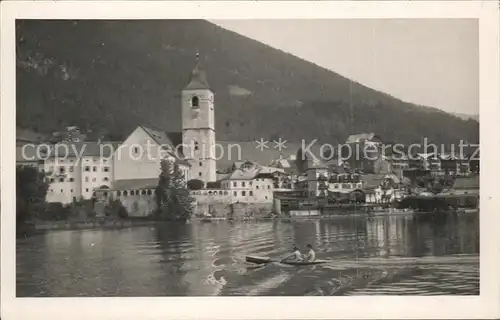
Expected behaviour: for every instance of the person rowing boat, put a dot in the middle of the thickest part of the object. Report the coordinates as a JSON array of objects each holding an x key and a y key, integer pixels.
[
  {"x": 311, "y": 255},
  {"x": 295, "y": 256}
]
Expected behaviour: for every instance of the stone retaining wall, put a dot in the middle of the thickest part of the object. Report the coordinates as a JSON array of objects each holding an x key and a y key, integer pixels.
[{"x": 234, "y": 210}]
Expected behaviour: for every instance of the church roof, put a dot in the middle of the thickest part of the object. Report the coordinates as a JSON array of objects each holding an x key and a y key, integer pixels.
[
  {"x": 165, "y": 138},
  {"x": 198, "y": 79}
]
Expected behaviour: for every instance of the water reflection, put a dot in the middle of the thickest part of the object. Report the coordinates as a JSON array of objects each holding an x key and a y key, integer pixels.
[{"x": 202, "y": 259}]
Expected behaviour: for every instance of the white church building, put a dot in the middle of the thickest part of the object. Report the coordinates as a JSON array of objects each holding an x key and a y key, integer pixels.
[{"x": 129, "y": 170}]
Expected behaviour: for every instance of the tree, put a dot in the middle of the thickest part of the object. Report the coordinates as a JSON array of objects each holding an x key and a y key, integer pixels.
[
  {"x": 172, "y": 195},
  {"x": 195, "y": 184},
  {"x": 115, "y": 209},
  {"x": 31, "y": 190}
]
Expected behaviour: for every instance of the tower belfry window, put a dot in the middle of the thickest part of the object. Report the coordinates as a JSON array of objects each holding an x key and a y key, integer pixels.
[{"x": 195, "y": 102}]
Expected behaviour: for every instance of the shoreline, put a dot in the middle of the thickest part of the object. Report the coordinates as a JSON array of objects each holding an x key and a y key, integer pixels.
[{"x": 40, "y": 227}]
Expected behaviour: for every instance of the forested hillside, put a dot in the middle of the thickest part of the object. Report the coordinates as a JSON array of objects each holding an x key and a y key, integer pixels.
[{"x": 110, "y": 76}]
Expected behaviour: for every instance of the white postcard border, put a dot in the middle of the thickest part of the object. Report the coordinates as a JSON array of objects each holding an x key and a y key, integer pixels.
[{"x": 484, "y": 306}]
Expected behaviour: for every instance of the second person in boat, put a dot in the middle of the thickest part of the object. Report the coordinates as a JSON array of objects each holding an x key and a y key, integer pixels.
[
  {"x": 311, "y": 255},
  {"x": 296, "y": 256}
]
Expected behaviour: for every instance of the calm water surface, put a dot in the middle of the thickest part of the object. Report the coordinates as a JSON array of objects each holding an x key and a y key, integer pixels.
[{"x": 385, "y": 255}]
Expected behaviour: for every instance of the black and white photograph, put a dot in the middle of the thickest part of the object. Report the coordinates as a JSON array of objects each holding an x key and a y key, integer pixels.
[{"x": 200, "y": 157}]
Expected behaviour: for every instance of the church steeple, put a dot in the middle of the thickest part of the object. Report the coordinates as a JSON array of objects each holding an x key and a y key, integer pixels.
[
  {"x": 198, "y": 78},
  {"x": 198, "y": 126}
]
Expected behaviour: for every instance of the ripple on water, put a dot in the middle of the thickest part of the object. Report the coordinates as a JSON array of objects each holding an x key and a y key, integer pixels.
[{"x": 369, "y": 257}]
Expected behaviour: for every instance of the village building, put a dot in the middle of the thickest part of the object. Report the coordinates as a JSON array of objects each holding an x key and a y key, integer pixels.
[
  {"x": 249, "y": 183},
  {"x": 364, "y": 152},
  {"x": 382, "y": 188},
  {"x": 75, "y": 170}
]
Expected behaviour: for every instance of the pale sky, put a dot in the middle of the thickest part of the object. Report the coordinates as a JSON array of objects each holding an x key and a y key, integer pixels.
[{"x": 425, "y": 61}]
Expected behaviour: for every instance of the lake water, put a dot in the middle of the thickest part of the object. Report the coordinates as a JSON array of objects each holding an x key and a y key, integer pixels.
[{"x": 383, "y": 255}]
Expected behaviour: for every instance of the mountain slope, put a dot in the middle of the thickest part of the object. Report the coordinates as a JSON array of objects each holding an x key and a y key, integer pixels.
[
  {"x": 465, "y": 116},
  {"x": 110, "y": 76}
]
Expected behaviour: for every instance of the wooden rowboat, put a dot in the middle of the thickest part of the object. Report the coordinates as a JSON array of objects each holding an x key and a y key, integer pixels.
[
  {"x": 304, "y": 263},
  {"x": 258, "y": 260},
  {"x": 262, "y": 260}
]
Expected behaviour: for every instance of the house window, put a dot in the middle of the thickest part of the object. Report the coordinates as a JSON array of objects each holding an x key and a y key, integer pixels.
[
  {"x": 256, "y": 187},
  {"x": 94, "y": 179},
  {"x": 94, "y": 169},
  {"x": 51, "y": 190},
  {"x": 62, "y": 191},
  {"x": 196, "y": 145},
  {"x": 266, "y": 197},
  {"x": 136, "y": 150},
  {"x": 250, "y": 193},
  {"x": 118, "y": 193},
  {"x": 201, "y": 164},
  {"x": 87, "y": 168},
  {"x": 250, "y": 183},
  {"x": 235, "y": 194},
  {"x": 243, "y": 184},
  {"x": 199, "y": 173},
  {"x": 86, "y": 189},
  {"x": 62, "y": 169},
  {"x": 51, "y": 179},
  {"x": 125, "y": 193},
  {"x": 105, "y": 179},
  {"x": 149, "y": 192},
  {"x": 195, "y": 102},
  {"x": 86, "y": 179},
  {"x": 243, "y": 193},
  {"x": 105, "y": 194},
  {"x": 143, "y": 192},
  {"x": 269, "y": 187},
  {"x": 71, "y": 179},
  {"x": 235, "y": 184},
  {"x": 71, "y": 169},
  {"x": 71, "y": 190},
  {"x": 106, "y": 169},
  {"x": 61, "y": 179}
]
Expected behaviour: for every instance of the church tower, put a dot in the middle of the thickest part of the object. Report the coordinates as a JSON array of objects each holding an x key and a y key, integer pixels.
[{"x": 198, "y": 126}]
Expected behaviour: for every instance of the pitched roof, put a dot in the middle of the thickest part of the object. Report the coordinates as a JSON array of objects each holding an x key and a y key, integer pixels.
[
  {"x": 164, "y": 138},
  {"x": 129, "y": 184},
  {"x": 83, "y": 149},
  {"x": 263, "y": 169},
  {"x": 243, "y": 174},
  {"x": 251, "y": 171},
  {"x": 168, "y": 140}
]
